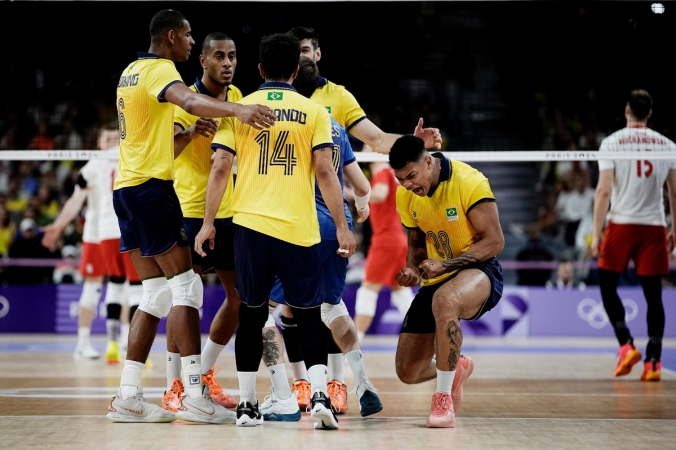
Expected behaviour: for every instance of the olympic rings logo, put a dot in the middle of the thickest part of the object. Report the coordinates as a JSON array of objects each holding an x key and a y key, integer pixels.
[
  {"x": 4, "y": 306},
  {"x": 595, "y": 315}
]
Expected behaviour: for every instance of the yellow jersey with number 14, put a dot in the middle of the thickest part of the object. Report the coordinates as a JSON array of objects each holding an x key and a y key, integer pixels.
[
  {"x": 276, "y": 171},
  {"x": 193, "y": 165},
  {"x": 443, "y": 213},
  {"x": 146, "y": 121},
  {"x": 339, "y": 102}
]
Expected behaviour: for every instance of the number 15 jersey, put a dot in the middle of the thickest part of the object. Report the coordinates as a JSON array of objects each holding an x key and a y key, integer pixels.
[{"x": 275, "y": 192}]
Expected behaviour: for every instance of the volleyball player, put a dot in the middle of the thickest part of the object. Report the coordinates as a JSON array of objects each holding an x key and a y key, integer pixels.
[{"x": 636, "y": 229}]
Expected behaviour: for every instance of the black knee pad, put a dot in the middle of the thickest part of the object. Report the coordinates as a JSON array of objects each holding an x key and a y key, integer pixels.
[
  {"x": 116, "y": 280},
  {"x": 114, "y": 311}
]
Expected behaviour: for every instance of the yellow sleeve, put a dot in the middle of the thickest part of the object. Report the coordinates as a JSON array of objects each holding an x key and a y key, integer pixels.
[
  {"x": 160, "y": 77},
  {"x": 476, "y": 190},
  {"x": 352, "y": 112},
  {"x": 403, "y": 206},
  {"x": 225, "y": 136},
  {"x": 183, "y": 119},
  {"x": 322, "y": 135}
]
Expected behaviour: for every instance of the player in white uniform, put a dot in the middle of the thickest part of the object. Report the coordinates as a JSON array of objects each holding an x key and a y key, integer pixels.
[{"x": 636, "y": 229}]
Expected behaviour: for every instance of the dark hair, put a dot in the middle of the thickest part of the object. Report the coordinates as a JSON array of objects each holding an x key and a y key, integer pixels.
[
  {"x": 406, "y": 149},
  {"x": 565, "y": 261},
  {"x": 640, "y": 103},
  {"x": 302, "y": 33},
  {"x": 166, "y": 20},
  {"x": 110, "y": 125},
  {"x": 308, "y": 77},
  {"x": 279, "y": 56},
  {"x": 216, "y": 36}
]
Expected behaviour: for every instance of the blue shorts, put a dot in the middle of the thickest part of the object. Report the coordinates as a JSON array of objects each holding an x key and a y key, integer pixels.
[
  {"x": 334, "y": 269},
  {"x": 420, "y": 318},
  {"x": 222, "y": 257},
  {"x": 260, "y": 258},
  {"x": 150, "y": 217}
]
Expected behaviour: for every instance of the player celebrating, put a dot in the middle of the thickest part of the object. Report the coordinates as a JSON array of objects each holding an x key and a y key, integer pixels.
[
  {"x": 454, "y": 236},
  {"x": 387, "y": 253},
  {"x": 192, "y": 143},
  {"x": 636, "y": 229},
  {"x": 276, "y": 226},
  {"x": 344, "y": 108},
  {"x": 151, "y": 221},
  {"x": 281, "y": 404}
]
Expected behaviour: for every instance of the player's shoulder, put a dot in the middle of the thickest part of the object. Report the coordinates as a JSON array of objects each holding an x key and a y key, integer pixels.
[
  {"x": 234, "y": 94},
  {"x": 465, "y": 174},
  {"x": 404, "y": 196},
  {"x": 330, "y": 86}
]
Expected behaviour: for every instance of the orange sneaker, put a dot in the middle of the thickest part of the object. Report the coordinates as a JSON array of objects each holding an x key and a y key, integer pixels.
[
  {"x": 217, "y": 393},
  {"x": 463, "y": 370},
  {"x": 338, "y": 394},
  {"x": 172, "y": 397},
  {"x": 303, "y": 388},
  {"x": 442, "y": 415},
  {"x": 628, "y": 357},
  {"x": 652, "y": 371}
]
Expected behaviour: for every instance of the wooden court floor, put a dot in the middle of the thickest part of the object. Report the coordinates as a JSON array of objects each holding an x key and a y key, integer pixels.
[{"x": 524, "y": 393}]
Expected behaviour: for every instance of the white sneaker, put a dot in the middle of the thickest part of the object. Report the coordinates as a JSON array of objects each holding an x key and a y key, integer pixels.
[
  {"x": 248, "y": 415},
  {"x": 321, "y": 413},
  {"x": 277, "y": 410},
  {"x": 204, "y": 409},
  {"x": 85, "y": 351},
  {"x": 137, "y": 409}
]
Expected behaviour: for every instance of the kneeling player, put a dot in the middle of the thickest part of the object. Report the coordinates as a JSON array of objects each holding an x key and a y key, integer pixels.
[{"x": 454, "y": 236}]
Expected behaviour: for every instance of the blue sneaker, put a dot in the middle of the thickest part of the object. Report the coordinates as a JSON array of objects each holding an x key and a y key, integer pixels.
[
  {"x": 276, "y": 410},
  {"x": 369, "y": 403}
]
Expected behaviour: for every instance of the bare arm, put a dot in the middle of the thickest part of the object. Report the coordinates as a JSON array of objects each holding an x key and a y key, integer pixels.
[
  {"x": 333, "y": 197},
  {"x": 601, "y": 205},
  {"x": 417, "y": 253},
  {"x": 361, "y": 188},
  {"x": 379, "y": 193},
  {"x": 671, "y": 185},
  {"x": 216, "y": 185},
  {"x": 70, "y": 210},
  {"x": 203, "y": 127},
  {"x": 257, "y": 116},
  {"x": 367, "y": 132}
]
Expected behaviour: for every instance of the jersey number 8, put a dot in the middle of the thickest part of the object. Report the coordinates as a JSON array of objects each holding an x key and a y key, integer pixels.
[{"x": 283, "y": 154}]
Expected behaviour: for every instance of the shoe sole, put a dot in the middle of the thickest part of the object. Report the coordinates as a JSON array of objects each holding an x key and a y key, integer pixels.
[
  {"x": 457, "y": 394},
  {"x": 657, "y": 377},
  {"x": 249, "y": 422},
  {"x": 131, "y": 419},
  {"x": 275, "y": 417},
  {"x": 450, "y": 425},
  {"x": 323, "y": 419},
  {"x": 204, "y": 419},
  {"x": 627, "y": 364}
]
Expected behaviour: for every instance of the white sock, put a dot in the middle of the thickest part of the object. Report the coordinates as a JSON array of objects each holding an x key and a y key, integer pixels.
[
  {"x": 279, "y": 381},
  {"x": 299, "y": 371},
  {"x": 335, "y": 367},
  {"x": 247, "y": 387},
  {"x": 210, "y": 354},
  {"x": 317, "y": 374},
  {"x": 124, "y": 334},
  {"x": 131, "y": 378},
  {"x": 360, "y": 336},
  {"x": 445, "y": 381},
  {"x": 83, "y": 334},
  {"x": 192, "y": 375},
  {"x": 173, "y": 368},
  {"x": 112, "y": 327},
  {"x": 356, "y": 361}
]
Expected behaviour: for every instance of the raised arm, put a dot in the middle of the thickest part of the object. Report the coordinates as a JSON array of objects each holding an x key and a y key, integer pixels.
[
  {"x": 367, "y": 132},
  {"x": 361, "y": 188},
  {"x": 203, "y": 127},
  {"x": 417, "y": 253},
  {"x": 601, "y": 205},
  {"x": 70, "y": 210}
]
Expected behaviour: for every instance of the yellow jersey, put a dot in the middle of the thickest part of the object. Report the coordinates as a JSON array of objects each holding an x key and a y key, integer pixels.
[
  {"x": 146, "y": 121},
  {"x": 276, "y": 172},
  {"x": 192, "y": 167},
  {"x": 339, "y": 102},
  {"x": 443, "y": 213}
]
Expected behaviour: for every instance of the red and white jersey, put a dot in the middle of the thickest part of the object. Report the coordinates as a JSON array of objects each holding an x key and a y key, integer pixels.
[
  {"x": 637, "y": 186},
  {"x": 100, "y": 176}
]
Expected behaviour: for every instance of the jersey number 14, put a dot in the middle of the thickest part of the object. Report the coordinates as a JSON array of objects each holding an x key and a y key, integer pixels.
[{"x": 283, "y": 154}]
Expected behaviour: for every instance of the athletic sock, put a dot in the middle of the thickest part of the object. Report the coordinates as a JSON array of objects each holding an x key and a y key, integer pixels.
[
  {"x": 356, "y": 361},
  {"x": 299, "y": 371},
  {"x": 279, "y": 381},
  {"x": 83, "y": 336},
  {"x": 192, "y": 375},
  {"x": 173, "y": 368},
  {"x": 131, "y": 378},
  {"x": 247, "y": 387},
  {"x": 112, "y": 329},
  {"x": 445, "y": 381},
  {"x": 210, "y": 354},
  {"x": 360, "y": 336},
  {"x": 317, "y": 374},
  {"x": 335, "y": 367}
]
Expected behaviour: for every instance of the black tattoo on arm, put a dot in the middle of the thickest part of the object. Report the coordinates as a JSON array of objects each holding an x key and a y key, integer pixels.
[
  {"x": 454, "y": 335},
  {"x": 271, "y": 350},
  {"x": 226, "y": 155},
  {"x": 464, "y": 260},
  {"x": 417, "y": 248}
]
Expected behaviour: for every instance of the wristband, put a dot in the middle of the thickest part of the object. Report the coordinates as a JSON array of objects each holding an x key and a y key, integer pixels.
[{"x": 361, "y": 203}]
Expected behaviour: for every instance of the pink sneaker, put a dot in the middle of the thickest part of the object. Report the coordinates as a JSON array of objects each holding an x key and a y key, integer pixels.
[
  {"x": 442, "y": 415},
  {"x": 462, "y": 372}
]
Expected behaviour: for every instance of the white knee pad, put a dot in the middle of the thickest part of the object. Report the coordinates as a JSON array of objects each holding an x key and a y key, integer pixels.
[
  {"x": 187, "y": 290},
  {"x": 402, "y": 299},
  {"x": 332, "y": 312},
  {"x": 367, "y": 301},
  {"x": 156, "y": 299},
  {"x": 114, "y": 293},
  {"x": 91, "y": 293}
]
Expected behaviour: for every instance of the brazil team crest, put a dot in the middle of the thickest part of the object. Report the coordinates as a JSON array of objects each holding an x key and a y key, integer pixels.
[
  {"x": 275, "y": 95},
  {"x": 451, "y": 214}
]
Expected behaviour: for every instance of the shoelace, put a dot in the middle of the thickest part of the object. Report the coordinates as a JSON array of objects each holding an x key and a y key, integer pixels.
[
  {"x": 331, "y": 400},
  {"x": 177, "y": 388},
  {"x": 440, "y": 403},
  {"x": 211, "y": 377},
  {"x": 272, "y": 397}
]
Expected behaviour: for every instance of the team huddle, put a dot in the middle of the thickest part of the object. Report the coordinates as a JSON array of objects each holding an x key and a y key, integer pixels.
[{"x": 279, "y": 231}]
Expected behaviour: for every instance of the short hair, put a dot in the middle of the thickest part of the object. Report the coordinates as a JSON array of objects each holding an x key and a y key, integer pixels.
[
  {"x": 640, "y": 103},
  {"x": 308, "y": 77},
  {"x": 279, "y": 56},
  {"x": 302, "y": 33},
  {"x": 406, "y": 149},
  {"x": 166, "y": 20},
  {"x": 216, "y": 36}
]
